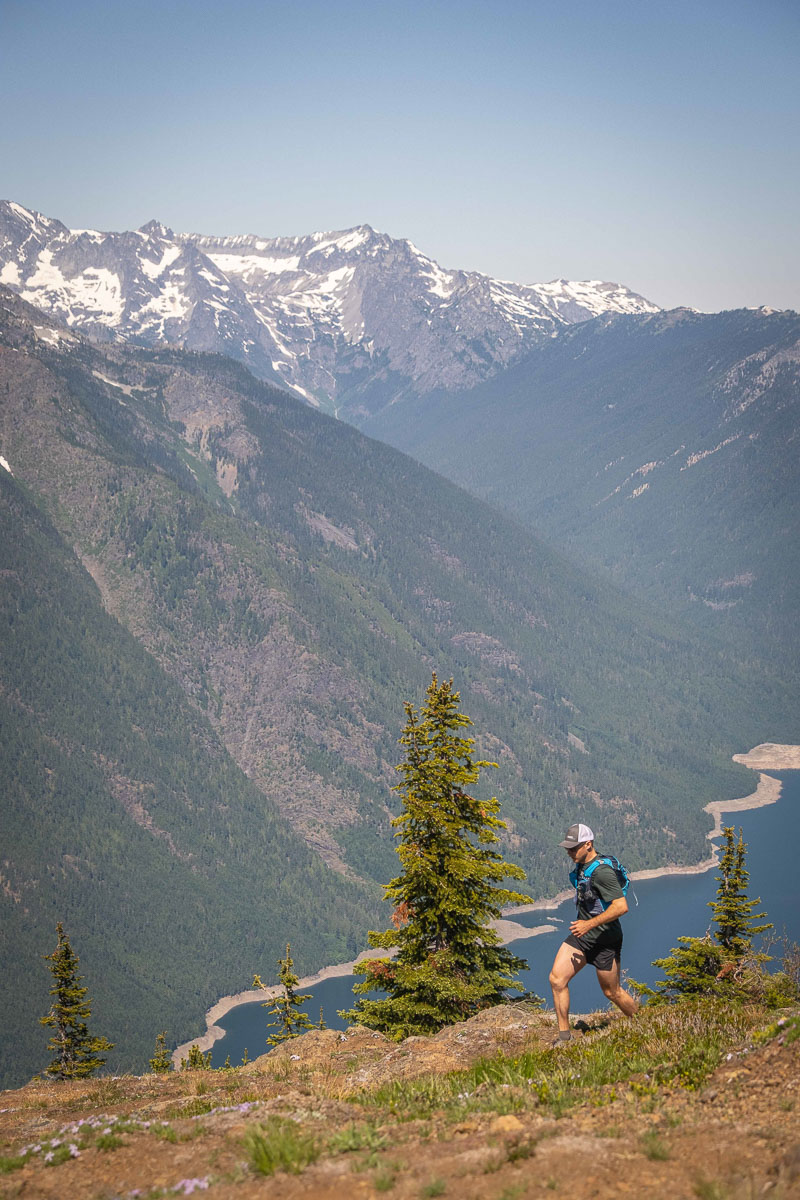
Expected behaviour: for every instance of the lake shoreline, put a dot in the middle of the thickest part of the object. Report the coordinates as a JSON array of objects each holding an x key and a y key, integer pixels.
[{"x": 765, "y": 757}]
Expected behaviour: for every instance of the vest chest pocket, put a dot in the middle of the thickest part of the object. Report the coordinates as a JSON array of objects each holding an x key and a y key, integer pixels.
[{"x": 587, "y": 897}]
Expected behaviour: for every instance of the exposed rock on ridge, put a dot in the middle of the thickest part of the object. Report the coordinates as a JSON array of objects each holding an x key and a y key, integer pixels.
[{"x": 350, "y": 320}]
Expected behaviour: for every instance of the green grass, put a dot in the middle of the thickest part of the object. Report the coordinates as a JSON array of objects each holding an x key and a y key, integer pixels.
[
  {"x": 710, "y": 1189},
  {"x": 164, "y": 1133},
  {"x": 787, "y": 1028},
  {"x": 279, "y": 1146},
  {"x": 194, "y": 1108},
  {"x": 109, "y": 1141},
  {"x": 356, "y": 1137},
  {"x": 436, "y": 1187},
  {"x": 655, "y": 1148},
  {"x": 677, "y": 1044},
  {"x": 12, "y": 1162}
]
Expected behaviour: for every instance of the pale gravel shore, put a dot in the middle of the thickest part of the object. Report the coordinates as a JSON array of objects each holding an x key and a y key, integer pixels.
[
  {"x": 253, "y": 995},
  {"x": 771, "y": 756},
  {"x": 768, "y": 756}
]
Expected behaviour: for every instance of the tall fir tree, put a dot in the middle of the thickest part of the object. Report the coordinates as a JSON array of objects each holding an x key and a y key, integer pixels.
[
  {"x": 78, "y": 1054},
  {"x": 723, "y": 962},
  {"x": 449, "y": 963},
  {"x": 733, "y": 912},
  {"x": 289, "y": 1021}
]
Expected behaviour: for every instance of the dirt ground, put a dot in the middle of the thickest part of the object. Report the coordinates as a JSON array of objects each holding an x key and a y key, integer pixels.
[{"x": 736, "y": 1137}]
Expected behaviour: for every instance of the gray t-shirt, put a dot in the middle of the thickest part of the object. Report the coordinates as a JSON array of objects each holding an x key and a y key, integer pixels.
[{"x": 603, "y": 880}]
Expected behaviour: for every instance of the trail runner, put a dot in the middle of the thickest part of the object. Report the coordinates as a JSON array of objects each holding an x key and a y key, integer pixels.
[{"x": 595, "y": 936}]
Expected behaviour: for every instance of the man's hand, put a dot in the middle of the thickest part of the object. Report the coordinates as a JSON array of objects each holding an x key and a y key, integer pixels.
[
  {"x": 579, "y": 928},
  {"x": 617, "y": 908}
]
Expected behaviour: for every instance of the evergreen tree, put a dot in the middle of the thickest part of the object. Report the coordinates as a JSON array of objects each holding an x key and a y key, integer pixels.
[
  {"x": 162, "y": 1059},
  {"x": 77, "y": 1052},
  {"x": 733, "y": 912},
  {"x": 449, "y": 963},
  {"x": 289, "y": 1020},
  {"x": 196, "y": 1061},
  {"x": 723, "y": 962}
]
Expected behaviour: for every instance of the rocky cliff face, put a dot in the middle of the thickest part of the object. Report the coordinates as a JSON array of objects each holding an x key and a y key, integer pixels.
[{"x": 351, "y": 321}]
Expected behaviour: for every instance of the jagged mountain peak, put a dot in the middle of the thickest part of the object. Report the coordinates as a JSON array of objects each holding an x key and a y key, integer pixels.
[
  {"x": 157, "y": 229},
  {"x": 13, "y": 215},
  {"x": 351, "y": 319}
]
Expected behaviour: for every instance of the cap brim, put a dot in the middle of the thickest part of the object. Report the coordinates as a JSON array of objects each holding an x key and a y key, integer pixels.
[{"x": 569, "y": 845}]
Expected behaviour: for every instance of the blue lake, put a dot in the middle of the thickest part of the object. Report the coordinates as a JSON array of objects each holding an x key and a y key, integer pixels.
[{"x": 668, "y": 908}]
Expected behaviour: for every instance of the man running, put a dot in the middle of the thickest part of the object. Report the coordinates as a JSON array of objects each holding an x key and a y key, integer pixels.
[{"x": 595, "y": 935}]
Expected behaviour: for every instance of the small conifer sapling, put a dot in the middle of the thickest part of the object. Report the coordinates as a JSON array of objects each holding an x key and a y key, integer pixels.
[
  {"x": 196, "y": 1060},
  {"x": 162, "y": 1059},
  {"x": 78, "y": 1054},
  {"x": 289, "y": 1020},
  {"x": 723, "y": 962}
]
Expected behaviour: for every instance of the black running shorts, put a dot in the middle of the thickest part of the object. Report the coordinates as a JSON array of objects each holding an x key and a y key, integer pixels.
[{"x": 600, "y": 955}]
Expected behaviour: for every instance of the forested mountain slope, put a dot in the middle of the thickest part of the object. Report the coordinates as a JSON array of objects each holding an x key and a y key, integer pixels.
[
  {"x": 662, "y": 449},
  {"x": 288, "y": 583},
  {"x": 124, "y": 817}
]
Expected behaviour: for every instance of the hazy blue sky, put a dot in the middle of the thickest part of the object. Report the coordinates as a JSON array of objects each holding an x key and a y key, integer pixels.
[{"x": 657, "y": 144}]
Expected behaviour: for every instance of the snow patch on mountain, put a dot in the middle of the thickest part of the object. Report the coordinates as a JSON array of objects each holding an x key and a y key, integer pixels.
[
  {"x": 153, "y": 269},
  {"x": 245, "y": 265},
  {"x": 351, "y": 320}
]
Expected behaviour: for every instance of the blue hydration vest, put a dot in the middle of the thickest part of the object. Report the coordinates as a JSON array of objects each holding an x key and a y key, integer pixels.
[{"x": 585, "y": 893}]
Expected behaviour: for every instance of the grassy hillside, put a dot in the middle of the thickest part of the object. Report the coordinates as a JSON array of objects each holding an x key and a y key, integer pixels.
[{"x": 695, "y": 1102}]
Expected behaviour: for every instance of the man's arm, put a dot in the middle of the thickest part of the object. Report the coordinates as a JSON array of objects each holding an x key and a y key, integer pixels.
[{"x": 617, "y": 908}]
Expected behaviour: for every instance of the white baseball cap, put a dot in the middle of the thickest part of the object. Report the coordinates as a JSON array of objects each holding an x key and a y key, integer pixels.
[{"x": 575, "y": 835}]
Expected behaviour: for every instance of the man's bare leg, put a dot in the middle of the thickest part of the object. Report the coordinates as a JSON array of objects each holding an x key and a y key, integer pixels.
[
  {"x": 613, "y": 989},
  {"x": 568, "y": 962}
]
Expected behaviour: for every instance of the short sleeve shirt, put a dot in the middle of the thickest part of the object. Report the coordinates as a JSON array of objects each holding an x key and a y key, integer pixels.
[{"x": 604, "y": 881}]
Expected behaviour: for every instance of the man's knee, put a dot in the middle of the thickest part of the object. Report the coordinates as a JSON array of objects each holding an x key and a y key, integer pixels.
[{"x": 557, "y": 981}]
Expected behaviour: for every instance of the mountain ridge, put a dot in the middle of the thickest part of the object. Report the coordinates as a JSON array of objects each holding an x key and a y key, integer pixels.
[
  {"x": 350, "y": 320},
  {"x": 656, "y": 448}
]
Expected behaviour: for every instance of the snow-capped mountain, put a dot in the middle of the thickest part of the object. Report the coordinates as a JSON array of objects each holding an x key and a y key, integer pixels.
[{"x": 351, "y": 321}]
